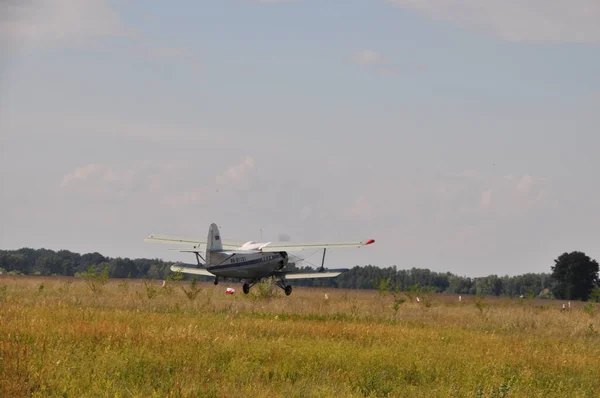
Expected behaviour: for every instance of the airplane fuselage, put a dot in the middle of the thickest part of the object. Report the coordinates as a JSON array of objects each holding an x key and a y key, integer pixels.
[{"x": 249, "y": 265}]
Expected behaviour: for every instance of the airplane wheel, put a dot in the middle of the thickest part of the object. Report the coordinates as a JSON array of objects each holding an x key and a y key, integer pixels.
[
  {"x": 246, "y": 288},
  {"x": 288, "y": 290},
  {"x": 216, "y": 282}
]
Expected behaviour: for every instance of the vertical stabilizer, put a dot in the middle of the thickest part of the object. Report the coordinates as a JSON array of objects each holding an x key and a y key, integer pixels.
[{"x": 213, "y": 241}]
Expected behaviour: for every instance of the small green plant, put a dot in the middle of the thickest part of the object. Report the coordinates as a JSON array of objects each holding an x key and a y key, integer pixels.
[
  {"x": 41, "y": 287},
  {"x": 124, "y": 284},
  {"x": 505, "y": 387},
  {"x": 425, "y": 295},
  {"x": 64, "y": 288},
  {"x": 95, "y": 280},
  {"x": 412, "y": 291},
  {"x": 591, "y": 332},
  {"x": 546, "y": 294},
  {"x": 175, "y": 276},
  {"x": 151, "y": 291},
  {"x": 427, "y": 302},
  {"x": 167, "y": 287},
  {"x": 397, "y": 303},
  {"x": 383, "y": 286},
  {"x": 480, "y": 303},
  {"x": 595, "y": 295},
  {"x": 590, "y": 309},
  {"x": 193, "y": 291},
  {"x": 264, "y": 290}
]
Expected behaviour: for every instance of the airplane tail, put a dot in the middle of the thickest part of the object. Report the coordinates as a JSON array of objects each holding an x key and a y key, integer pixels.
[{"x": 213, "y": 242}]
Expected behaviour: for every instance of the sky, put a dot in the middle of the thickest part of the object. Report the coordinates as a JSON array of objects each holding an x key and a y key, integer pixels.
[{"x": 462, "y": 136}]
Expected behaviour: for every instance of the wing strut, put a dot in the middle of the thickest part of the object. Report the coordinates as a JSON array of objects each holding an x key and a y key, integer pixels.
[
  {"x": 323, "y": 261},
  {"x": 198, "y": 257},
  {"x": 227, "y": 258}
]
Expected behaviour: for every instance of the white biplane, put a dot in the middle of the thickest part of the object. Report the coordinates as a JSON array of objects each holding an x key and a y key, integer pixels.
[{"x": 249, "y": 262}]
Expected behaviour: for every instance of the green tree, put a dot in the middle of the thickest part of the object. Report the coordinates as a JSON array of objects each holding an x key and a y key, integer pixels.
[
  {"x": 576, "y": 274},
  {"x": 122, "y": 267}
]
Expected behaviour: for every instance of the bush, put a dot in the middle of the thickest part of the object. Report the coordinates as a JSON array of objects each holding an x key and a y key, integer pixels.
[
  {"x": 595, "y": 295},
  {"x": 94, "y": 279},
  {"x": 546, "y": 294},
  {"x": 193, "y": 291},
  {"x": 264, "y": 290},
  {"x": 590, "y": 309}
]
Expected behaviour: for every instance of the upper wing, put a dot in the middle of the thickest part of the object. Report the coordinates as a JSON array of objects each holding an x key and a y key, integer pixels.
[
  {"x": 280, "y": 247},
  {"x": 184, "y": 240},
  {"x": 309, "y": 275}
]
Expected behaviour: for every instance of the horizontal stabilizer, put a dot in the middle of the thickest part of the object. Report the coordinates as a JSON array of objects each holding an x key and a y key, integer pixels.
[{"x": 189, "y": 270}]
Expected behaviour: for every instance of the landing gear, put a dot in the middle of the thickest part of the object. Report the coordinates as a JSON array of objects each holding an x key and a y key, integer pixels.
[
  {"x": 216, "y": 282},
  {"x": 286, "y": 288},
  {"x": 279, "y": 283}
]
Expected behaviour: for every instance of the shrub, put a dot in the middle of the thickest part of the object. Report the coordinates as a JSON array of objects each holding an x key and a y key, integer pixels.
[
  {"x": 264, "y": 290},
  {"x": 193, "y": 291},
  {"x": 589, "y": 308},
  {"x": 595, "y": 295},
  {"x": 94, "y": 279},
  {"x": 151, "y": 291}
]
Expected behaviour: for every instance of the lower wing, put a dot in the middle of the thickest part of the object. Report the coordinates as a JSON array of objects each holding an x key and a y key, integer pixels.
[
  {"x": 332, "y": 273},
  {"x": 190, "y": 270}
]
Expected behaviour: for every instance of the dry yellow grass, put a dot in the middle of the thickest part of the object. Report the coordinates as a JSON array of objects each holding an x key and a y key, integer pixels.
[{"x": 57, "y": 338}]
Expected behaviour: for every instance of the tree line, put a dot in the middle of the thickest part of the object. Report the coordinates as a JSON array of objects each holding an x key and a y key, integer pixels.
[
  {"x": 29, "y": 261},
  {"x": 574, "y": 275}
]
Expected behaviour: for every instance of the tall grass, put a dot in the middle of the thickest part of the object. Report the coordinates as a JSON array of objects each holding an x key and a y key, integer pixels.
[{"x": 128, "y": 340}]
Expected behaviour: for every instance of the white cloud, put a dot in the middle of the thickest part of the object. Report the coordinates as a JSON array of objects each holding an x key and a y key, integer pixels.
[
  {"x": 171, "y": 192},
  {"x": 486, "y": 199},
  {"x": 471, "y": 174},
  {"x": 518, "y": 20},
  {"x": 367, "y": 57},
  {"x": 181, "y": 199},
  {"x": 50, "y": 21},
  {"x": 168, "y": 52},
  {"x": 81, "y": 173},
  {"x": 525, "y": 184},
  {"x": 361, "y": 208},
  {"x": 237, "y": 172},
  {"x": 469, "y": 192},
  {"x": 172, "y": 185},
  {"x": 461, "y": 239},
  {"x": 94, "y": 175},
  {"x": 383, "y": 66}
]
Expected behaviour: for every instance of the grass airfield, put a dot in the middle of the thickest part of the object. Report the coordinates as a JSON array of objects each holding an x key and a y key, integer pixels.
[{"x": 135, "y": 339}]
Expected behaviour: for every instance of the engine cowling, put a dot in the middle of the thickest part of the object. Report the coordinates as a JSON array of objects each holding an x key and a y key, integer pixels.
[{"x": 284, "y": 260}]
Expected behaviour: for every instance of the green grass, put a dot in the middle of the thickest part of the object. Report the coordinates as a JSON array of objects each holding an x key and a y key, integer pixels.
[{"x": 128, "y": 340}]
